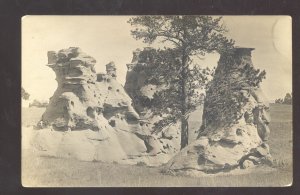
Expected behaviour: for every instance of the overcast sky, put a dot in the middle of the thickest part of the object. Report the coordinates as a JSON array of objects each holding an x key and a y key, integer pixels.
[{"x": 107, "y": 38}]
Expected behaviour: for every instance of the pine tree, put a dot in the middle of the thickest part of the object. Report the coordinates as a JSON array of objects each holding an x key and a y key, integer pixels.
[{"x": 188, "y": 36}]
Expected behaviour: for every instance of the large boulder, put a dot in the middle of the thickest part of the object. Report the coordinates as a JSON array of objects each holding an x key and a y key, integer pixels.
[{"x": 235, "y": 121}]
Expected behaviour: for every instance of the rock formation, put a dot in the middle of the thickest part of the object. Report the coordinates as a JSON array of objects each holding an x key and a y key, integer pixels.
[
  {"x": 142, "y": 87},
  {"x": 90, "y": 117},
  {"x": 83, "y": 97},
  {"x": 111, "y": 69},
  {"x": 136, "y": 86},
  {"x": 235, "y": 121},
  {"x": 141, "y": 92},
  {"x": 90, "y": 113}
]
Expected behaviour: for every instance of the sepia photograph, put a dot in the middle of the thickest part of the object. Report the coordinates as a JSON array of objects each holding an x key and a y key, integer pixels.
[{"x": 156, "y": 101}]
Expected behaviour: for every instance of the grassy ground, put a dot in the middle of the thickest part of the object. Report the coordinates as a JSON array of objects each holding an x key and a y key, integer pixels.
[
  {"x": 66, "y": 173},
  {"x": 42, "y": 171},
  {"x": 281, "y": 138},
  {"x": 32, "y": 115}
]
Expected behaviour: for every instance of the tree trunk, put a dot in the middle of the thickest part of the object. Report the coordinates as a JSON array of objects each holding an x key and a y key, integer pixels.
[
  {"x": 184, "y": 132},
  {"x": 184, "y": 97}
]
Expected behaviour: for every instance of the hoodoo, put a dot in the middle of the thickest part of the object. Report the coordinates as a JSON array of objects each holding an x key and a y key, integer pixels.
[
  {"x": 235, "y": 121},
  {"x": 70, "y": 107},
  {"x": 91, "y": 117}
]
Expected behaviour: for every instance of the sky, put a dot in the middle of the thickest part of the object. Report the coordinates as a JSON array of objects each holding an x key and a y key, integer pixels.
[{"x": 107, "y": 38}]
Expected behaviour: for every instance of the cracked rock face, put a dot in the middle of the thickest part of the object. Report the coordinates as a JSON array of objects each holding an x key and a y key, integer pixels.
[{"x": 235, "y": 122}]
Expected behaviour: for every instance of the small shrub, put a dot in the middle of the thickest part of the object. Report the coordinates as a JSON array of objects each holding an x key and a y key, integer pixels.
[
  {"x": 280, "y": 163},
  {"x": 141, "y": 163}
]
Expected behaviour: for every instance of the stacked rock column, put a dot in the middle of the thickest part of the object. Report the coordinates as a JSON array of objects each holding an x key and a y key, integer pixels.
[{"x": 235, "y": 120}]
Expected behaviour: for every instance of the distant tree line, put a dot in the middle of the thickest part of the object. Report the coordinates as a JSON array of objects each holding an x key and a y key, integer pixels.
[
  {"x": 39, "y": 104},
  {"x": 288, "y": 99},
  {"x": 25, "y": 96}
]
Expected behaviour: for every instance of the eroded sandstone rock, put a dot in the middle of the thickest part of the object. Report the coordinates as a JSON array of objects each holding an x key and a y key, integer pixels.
[
  {"x": 141, "y": 87},
  {"x": 235, "y": 121},
  {"x": 90, "y": 117},
  {"x": 142, "y": 93},
  {"x": 73, "y": 105},
  {"x": 83, "y": 97}
]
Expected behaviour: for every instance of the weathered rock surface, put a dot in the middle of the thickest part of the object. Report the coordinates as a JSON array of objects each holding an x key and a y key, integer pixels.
[
  {"x": 142, "y": 92},
  {"x": 235, "y": 122},
  {"x": 90, "y": 117},
  {"x": 84, "y": 97}
]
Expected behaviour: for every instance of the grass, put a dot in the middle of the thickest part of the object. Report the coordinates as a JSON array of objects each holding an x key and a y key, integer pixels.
[
  {"x": 67, "y": 173},
  {"x": 49, "y": 172},
  {"x": 281, "y": 138},
  {"x": 32, "y": 115}
]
